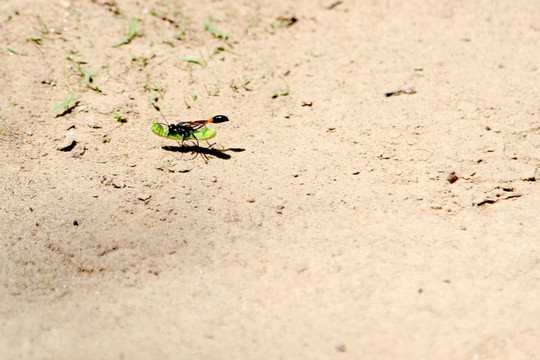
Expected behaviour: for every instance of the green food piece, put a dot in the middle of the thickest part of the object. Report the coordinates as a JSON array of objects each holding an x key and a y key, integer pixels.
[{"x": 203, "y": 134}]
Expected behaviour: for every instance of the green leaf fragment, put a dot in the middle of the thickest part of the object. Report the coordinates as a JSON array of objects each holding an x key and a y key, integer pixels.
[{"x": 203, "y": 134}]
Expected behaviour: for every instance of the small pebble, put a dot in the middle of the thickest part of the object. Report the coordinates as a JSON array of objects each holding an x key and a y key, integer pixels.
[{"x": 452, "y": 177}]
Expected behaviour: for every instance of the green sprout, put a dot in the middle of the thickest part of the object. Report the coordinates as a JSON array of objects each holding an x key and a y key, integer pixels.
[
  {"x": 212, "y": 92},
  {"x": 245, "y": 83},
  {"x": 207, "y": 26},
  {"x": 66, "y": 104},
  {"x": 144, "y": 59},
  {"x": 35, "y": 38},
  {"x": 156, "y": 90},
  {"x": 13, "y": 50},
  {"x": 281, "y": 92},
  {"x": 180, "y": 35},
  {"x": 153, "y": 97},
  {"x": 130, "y": 35},
  {"x": 119, "y": 117},
  {"x": 157, "y": 13},
  {"x": 85, "y": 74},
  {"x": 274, "y": 94},
  {"x": 166, "y": 40}
]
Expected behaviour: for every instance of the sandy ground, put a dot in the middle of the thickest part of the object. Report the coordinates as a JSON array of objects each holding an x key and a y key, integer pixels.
[{"x": 374, "y": 195}]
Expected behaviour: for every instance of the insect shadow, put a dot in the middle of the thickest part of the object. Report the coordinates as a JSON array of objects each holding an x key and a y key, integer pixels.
[{"x": 218, "y": 153}]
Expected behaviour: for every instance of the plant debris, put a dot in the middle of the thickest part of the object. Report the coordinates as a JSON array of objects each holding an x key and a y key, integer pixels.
[{"x": 407, "y": 91}]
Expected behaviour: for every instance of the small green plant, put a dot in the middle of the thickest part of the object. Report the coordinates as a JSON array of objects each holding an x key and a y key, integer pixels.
[
  {"x": 245, "y": 83},
  {"x": 212, "y": 92},
  {"x": 85, "y": 74},
  {"x": 36, "y": 38},
  {"x": 89, "y": 80},
  {"x": 66, "y": 104},
  {"x": 132, "y": 32},
  {"x": 274, "y": 94},
  {"x": 156, "y": 90},
  {"x": 218, "y": 35},
  {"x": 13, "y": 50},
  {"x": 119, "y": 117},
  {"x": 166, "y": 40},
  {"x": 154, "y": 97},
  {"x": 285, "y": 92},
  {"x": 144, "y": 59}
]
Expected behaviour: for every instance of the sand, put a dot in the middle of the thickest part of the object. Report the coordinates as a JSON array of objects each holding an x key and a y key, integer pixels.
[{"x": 373, "y": 196}]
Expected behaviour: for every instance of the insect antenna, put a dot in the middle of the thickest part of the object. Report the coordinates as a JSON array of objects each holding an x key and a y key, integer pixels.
[{"x": 163, "y": 117}]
